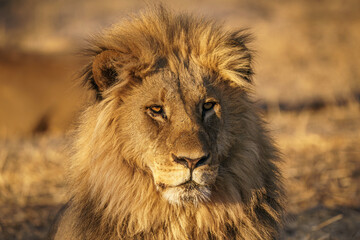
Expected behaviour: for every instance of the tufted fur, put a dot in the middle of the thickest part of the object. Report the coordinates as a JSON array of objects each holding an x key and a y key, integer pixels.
[{"x": 125, "y": 182}]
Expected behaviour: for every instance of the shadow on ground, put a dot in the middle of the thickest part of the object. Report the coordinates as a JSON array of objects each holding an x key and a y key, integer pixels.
[{"x": 324, "y": 223}]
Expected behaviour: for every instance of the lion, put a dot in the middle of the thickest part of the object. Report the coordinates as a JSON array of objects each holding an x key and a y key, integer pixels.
[{"x": 173, "y": 146}]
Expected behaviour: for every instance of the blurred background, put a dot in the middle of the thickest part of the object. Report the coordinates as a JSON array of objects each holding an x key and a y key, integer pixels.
[{"x": 307, "y": 79}]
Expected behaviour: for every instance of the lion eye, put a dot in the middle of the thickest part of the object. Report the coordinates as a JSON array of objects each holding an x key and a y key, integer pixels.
[
  {"x": 156, "y": 109},
  {"x": 208, "y": 106}
]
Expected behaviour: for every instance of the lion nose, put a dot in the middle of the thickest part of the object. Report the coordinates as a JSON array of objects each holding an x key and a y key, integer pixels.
[{"x": 191, "y": 163}]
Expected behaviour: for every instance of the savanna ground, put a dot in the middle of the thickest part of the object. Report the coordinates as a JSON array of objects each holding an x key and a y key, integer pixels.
[{"x": 307, "y": 81}]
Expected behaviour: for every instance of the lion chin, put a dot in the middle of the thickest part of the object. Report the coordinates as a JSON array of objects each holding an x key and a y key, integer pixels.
[{"x": 189, "y": 192}]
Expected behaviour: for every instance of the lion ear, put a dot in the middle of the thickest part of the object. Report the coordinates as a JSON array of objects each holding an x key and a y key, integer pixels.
[
  {"x": 104, "y": 69},
  {"x": 238, "y": 63}
]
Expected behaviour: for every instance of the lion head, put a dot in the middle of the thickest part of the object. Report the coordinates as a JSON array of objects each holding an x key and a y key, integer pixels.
[
  {"x": 177, "y": 130},
  {"x": 173, "y": 147},
  {"x": 175, "y": 118}
]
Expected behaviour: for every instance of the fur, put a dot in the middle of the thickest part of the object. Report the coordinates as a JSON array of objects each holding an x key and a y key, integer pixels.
[{"x": 124, "y": 182}]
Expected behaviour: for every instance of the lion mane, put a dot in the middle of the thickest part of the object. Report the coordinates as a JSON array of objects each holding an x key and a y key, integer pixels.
[{"x": 129, "y": 176}]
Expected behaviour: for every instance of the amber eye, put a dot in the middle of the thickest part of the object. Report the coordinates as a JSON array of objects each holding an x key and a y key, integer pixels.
[
  {"x": 208, "y": 106},
  {"x": 156, "y": 109}
]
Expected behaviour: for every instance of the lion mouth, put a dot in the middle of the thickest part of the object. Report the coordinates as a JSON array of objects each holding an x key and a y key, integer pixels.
[{"x": 189, "y": 185}]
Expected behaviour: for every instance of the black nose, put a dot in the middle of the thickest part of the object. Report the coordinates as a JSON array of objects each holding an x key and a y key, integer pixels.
[{"x": 191, "y": 163}]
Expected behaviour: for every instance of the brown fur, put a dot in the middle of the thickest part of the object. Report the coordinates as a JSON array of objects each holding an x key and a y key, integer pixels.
[{"x": 128, "y": 173}]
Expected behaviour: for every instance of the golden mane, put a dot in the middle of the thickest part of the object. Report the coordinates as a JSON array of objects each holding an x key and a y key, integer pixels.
[
  {"x": 116, "y": 198},
  {"x": 147, "y": 40}
]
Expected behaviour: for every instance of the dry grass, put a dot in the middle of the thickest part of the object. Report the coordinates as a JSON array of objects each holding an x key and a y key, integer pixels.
[
  {"x": 322, "y": 156},
  {"x": 322, "y": 172},
  {"x": 306, "y": 50},
  {"x": 31, "y": 185}
]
